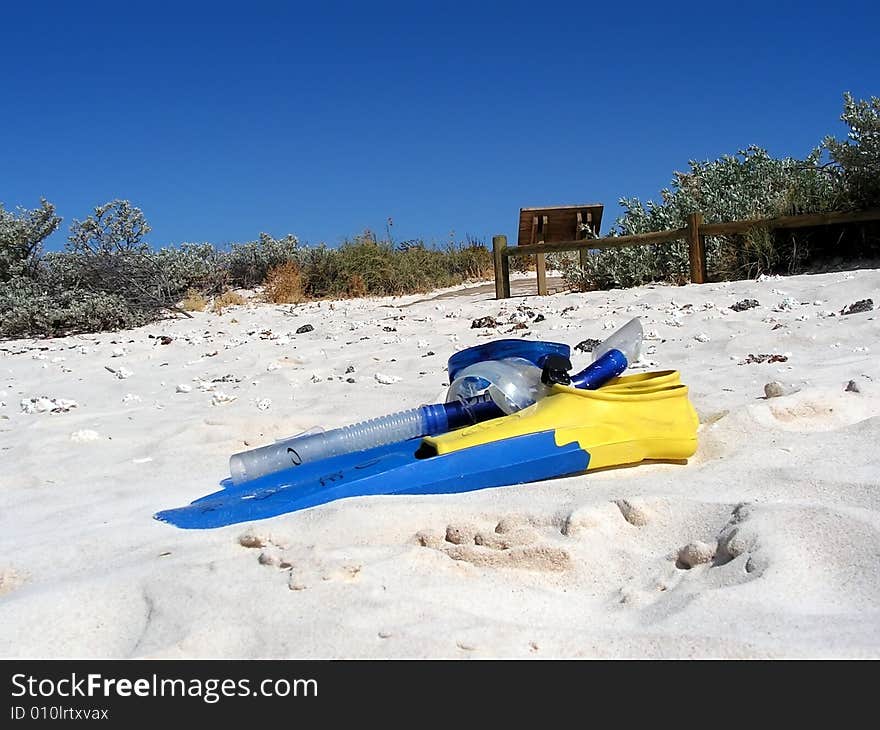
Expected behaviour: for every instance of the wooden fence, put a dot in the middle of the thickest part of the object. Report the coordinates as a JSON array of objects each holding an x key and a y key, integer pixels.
[{"x": 694, "y": 233}]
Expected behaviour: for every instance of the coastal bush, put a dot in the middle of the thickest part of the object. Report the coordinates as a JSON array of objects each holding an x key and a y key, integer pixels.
[
  {"x": 21, "y": 238},
  {"x": 320, "y": 270},
  {"x": 31, "y": 308},
  {"x": 469, "y": 260},
  {"x": 370, "y": 260},
  {"x": 365, "y": 266},
  {"x": 106, "y": 253},
  {"x": 858, "y": 158},
  {"x": 193, "y": 267},
  {"x": 108, "y": 277},
  {"x": 248, "y": 264},
  {"x": 752, "y": 184},
  {"x": 749, "y": 184}
]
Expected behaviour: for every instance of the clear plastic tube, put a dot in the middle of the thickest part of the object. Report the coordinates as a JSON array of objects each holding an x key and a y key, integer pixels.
[
  {"x": 313, "y": 446},
  {"x": 627, "y": 339}
]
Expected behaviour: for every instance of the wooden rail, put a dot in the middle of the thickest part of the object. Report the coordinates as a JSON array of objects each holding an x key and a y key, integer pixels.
[
  {"x": 791, "y": 221},
  {"x": 694, "y": 233}
]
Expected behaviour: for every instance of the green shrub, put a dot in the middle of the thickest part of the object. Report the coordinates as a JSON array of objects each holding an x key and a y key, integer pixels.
[
  {"x": 249, "y": 263},
  {"x": 469, "y": 261},
  {"x": 750, "y": 184},
  {"x": 364, "y": 266},
  {"x": 372, "y": 262},
  {"x": 321, "y": 272},
  {"x": 193, "y": 266},
  {"x": 106, "y": 254},
  {"x": 21, "y": 238},
  {"x": 31, "y": 308},
  {"x": 109, "y": 278},
  {"x": 859, "y": 158}
]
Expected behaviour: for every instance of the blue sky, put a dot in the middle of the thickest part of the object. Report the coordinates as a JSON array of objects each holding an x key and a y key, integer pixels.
[{"x": 324, "y": 118}]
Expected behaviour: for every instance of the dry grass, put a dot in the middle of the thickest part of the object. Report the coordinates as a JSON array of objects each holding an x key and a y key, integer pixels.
[
  {"x": 356, "y": 286},
  {"x": 227, "y": 299},
  {"x": 284, "y": 284},
  {"x": 194, "y": 302}
]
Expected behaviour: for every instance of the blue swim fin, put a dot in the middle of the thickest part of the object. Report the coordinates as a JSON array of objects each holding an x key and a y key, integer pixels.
[
  {"x": 565, "y": 433},
  {"x": 401, "y": 468}
]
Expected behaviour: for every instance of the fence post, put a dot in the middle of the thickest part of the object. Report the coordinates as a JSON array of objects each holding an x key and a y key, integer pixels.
[
  {"x": 696, "y": 248},
  {"x": 540, "y": 259},
  {"x": 502, "y": 267}
]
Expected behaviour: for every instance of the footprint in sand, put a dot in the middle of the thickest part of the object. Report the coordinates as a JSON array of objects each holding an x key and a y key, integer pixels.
[
  {"x": 734, "y": 540},
  {"x": 10, "y": 579},
  {"x": 512, "y": 543},
  {"x": 634, "y": 512},
  {"x": 718, "y": 558},
  {"x": 738, "y": 540},
  {"x": 304, "y": 571},
  {"x": 530, "y": 542},
  {"x": 813, "y": 411}
]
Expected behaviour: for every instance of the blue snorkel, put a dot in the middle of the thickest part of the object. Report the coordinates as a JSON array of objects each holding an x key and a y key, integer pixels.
[
  {"x": 611, "y": 357},
  {"x": 486, "y": 381}
]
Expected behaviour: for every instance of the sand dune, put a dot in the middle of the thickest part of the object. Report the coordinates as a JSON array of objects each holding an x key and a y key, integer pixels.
[{"x": 766, "y": 544}]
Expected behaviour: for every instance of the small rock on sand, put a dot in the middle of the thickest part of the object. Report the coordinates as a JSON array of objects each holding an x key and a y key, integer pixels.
[
  {"x": 460, "y": 534},
  {"x": 852, "y": 387},
  {"x": 387, "y": 379},
  {"x": 863, "y": 305},
  {"x": 47, "y": 405},
  {"x": 750, "y": 358},
  {"x": 220, "y": 398},
  {"x": 774, "y": 389},
  {"x": 121, "y": 372},
  {"x": 695, "y": 553},
  {"x": 787, "y": 304},
  {"x": 744, "y": 304},
  {"x": 250, "y": 540},
  {"x": 84, "y": 436},
  {"x": 482, "y": 322},
  {"x": 587, "y": 345}
]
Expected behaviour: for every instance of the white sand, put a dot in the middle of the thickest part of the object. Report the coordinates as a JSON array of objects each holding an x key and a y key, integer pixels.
[{"x": 785, "y": 491}]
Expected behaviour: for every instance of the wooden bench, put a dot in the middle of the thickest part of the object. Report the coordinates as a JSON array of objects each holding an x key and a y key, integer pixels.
[{"x": 557, "y": 225}]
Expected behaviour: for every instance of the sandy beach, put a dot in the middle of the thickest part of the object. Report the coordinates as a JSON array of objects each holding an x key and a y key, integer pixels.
[{"x": 765, "y": 544}]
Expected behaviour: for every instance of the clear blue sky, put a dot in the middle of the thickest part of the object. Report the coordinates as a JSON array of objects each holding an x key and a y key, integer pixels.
[{"x": 323, "y": 118}]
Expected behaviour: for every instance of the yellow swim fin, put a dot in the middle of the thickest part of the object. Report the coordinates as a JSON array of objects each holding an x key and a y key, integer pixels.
[
  {"x": 638, "y": 417},
  {"x": 642, "y": 382}
]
